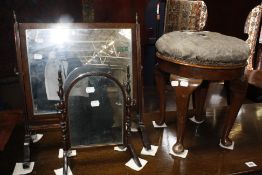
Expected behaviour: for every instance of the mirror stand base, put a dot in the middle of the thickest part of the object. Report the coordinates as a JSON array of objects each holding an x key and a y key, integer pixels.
[
  {"x": 65, "y": 166},
  {"x": 143, "y": 133},
  {"x": 133, "y": 155},
  {"x": 27, "y": 142}
]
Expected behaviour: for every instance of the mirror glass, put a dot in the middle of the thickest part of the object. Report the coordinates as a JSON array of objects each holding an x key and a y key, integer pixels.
[
  {"x": 54, "y": 48},
  {"x": 95, "y": 112}
]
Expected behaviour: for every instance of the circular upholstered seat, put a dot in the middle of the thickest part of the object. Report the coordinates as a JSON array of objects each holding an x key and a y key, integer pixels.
[{"x": 202, "y": 48}]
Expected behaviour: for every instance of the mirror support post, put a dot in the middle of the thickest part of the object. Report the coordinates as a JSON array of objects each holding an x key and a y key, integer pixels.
[
  {"x": 61, "y": 109},
  {"x": 129, "y": 106},
  {"x": 140, "y": 125}
]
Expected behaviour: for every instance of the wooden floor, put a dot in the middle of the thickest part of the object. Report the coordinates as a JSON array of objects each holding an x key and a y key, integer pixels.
[{"x": 205, "y": 156}]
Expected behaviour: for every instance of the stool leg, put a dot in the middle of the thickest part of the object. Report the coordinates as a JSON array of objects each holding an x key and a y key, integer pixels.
[
  {"x": 238, "y": 93},
  {"x": 183, "y": 92},
  {"x": 227, "y": 89},
  {"x": 199, "y": 100},
  {"x": 160, "y": 84}
]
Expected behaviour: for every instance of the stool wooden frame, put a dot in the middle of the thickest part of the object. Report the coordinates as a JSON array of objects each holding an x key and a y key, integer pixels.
[{"x": 191, "y": 78}]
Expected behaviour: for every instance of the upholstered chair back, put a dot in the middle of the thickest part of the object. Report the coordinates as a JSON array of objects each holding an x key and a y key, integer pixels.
[
  {"x": 185, "y": 15},
  {"x": 252, "y": 28}
]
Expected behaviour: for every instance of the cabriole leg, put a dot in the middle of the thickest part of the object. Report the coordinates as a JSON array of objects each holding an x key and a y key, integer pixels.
[
  {"x": 160, "y": 84},
  {"x": 184, "y": 87},
  {"x": 238, "y": 90}
]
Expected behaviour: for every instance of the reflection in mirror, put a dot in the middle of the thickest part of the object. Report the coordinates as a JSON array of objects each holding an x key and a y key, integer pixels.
[
  {"x": 50, "y": 49},
  {"x": 95, "y": 112}
]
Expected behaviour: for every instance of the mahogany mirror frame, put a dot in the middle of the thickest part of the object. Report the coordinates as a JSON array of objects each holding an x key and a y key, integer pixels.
[{"x": 34, "y": 123}]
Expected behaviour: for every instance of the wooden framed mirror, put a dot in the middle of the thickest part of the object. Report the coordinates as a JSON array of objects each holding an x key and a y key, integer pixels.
[
  {"x": 96, "y": 110},
  {"x": 45, "y": 46},
  {"x": 42, "y": 48}
]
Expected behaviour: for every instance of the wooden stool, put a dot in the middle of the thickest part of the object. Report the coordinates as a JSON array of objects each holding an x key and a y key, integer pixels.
[{"x": 194, "y": 59}]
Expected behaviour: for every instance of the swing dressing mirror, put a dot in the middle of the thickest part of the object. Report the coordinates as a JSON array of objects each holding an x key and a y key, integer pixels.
[
  {"x": 95, "y": 108},
  {"x": 46, "y": 47}
]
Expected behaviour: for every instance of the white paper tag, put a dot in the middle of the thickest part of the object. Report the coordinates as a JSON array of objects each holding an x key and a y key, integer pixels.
[
  {"x": 174, "y": 83},
  {"x": 182, "y": 155},
  {"x": 20, "y": 170},
  {"x": 131, "y": 164},
  {"x": 134, "y": 129},
  {"x": 95, "y": 103},
  {"x": 70, "y": 153},
  {"x": 251, "y": 164},
  {"x": 231, "y": 147},
  {"x": 90, "y": 90},
  {"x": 151, "y": 152},
  {"x": 184, "y": 83},
  {"x": 38, "y": 56},
  {"x": 159, "y": 126},
  {"x": 193, "y": 119},
  {"x": 117, "y": 148},
  {"x": 60, "y": 171},
  {"x": 171, "y": 141},
  {"x": 36, "y": 137}
]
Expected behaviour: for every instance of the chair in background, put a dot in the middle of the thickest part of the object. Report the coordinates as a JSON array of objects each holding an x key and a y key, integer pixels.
[
  {"x": 252, "y": 29},
  {"x": 194, "y": 59},
  {"x": 253, "y": 24},
  {"x": 183, "y": 15}
]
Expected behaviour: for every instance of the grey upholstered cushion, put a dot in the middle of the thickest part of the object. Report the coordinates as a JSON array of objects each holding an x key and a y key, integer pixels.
[{"x": 203, "y": 48}]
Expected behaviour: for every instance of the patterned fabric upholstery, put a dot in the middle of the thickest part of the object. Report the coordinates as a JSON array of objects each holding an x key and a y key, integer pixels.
[
  {"x": 185, "y": 15},
  {"x": 252, "y": 28},
  {"x": 202, "y": 48}
]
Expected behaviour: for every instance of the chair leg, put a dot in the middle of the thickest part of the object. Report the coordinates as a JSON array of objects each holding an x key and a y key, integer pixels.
[
  {"x": 183, "y": 91},
  {"x": 227, "y": 89},
  {"x": 199, "y": 100},
  {"x": 160, "y": 84},
  {"x": 238, "y": 90}
]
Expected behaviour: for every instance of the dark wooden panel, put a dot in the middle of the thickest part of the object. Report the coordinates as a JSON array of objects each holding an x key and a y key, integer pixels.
[
  {"x": 229, "y": 16},
  {"x": 30, "y": 11},
  {"x": 114, "y": 11}
]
